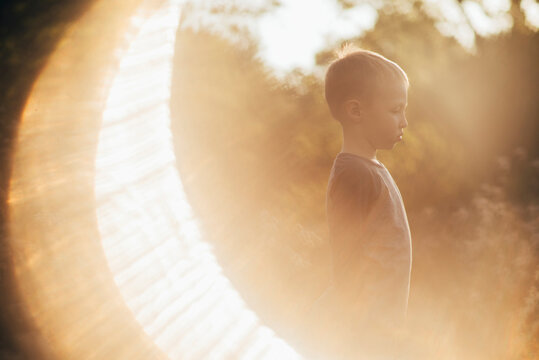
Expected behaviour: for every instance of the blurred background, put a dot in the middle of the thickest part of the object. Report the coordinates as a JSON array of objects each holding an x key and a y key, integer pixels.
[{"x": 255, "y": 155}]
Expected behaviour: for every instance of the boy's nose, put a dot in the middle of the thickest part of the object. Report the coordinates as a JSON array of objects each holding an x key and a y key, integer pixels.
[{"x": 404, "y": 123}]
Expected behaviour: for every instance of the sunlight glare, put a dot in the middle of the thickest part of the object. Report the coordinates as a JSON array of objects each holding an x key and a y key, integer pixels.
[
  {"x": 484, "y": 24},
  {"x": 531, "y": 11},
  {"x": 292, "y": 34}
]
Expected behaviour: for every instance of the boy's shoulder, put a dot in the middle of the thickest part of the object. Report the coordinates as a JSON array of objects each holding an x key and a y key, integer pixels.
[
  {"x": 354, "y": 166},
  {"x": 353, "y": 172}
]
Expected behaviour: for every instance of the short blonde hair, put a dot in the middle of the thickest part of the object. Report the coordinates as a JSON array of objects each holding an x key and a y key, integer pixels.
[{"x": 358, "y": 72}]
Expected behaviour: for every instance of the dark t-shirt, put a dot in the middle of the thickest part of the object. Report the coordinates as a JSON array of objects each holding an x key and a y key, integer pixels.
[
  {"x": 369, "y": 232},
  {"x": 371, "y": 252}
]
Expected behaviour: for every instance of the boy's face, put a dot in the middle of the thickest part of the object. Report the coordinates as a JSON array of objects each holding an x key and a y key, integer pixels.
[{"x": 384, "y": 116}]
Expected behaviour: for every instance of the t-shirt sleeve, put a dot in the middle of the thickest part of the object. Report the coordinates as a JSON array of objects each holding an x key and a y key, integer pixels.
[{"x": 350, "y": 199}]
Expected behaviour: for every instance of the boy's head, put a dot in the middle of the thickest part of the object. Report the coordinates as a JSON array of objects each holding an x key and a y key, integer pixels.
[{"x": 366, "y": 91}]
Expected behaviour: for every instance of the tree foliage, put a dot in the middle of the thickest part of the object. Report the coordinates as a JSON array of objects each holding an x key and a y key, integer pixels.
[{"x": 255, "y": 155}]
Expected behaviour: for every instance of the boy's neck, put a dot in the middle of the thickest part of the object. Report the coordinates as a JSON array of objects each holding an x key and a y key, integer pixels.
[{"x": 359, "y": 146}]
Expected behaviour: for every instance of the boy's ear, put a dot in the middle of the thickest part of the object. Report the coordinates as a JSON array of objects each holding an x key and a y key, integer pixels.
[{"x": 353, "y": 110}]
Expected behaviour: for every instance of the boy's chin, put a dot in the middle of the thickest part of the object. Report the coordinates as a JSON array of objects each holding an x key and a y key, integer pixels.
[{"x": 387, "y": 146}]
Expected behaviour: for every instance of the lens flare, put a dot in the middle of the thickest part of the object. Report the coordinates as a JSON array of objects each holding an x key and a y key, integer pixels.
[{"x": 109, "y": 259}]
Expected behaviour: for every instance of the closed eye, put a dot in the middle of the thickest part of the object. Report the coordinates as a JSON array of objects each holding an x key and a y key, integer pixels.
[{"x": 400, "y": 108}]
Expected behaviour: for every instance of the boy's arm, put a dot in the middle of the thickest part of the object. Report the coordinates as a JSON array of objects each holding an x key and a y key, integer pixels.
[{"x": 351, "y": 199}]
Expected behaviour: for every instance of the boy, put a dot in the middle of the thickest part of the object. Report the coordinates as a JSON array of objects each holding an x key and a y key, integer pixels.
[{"x": 365, "y": 307}]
